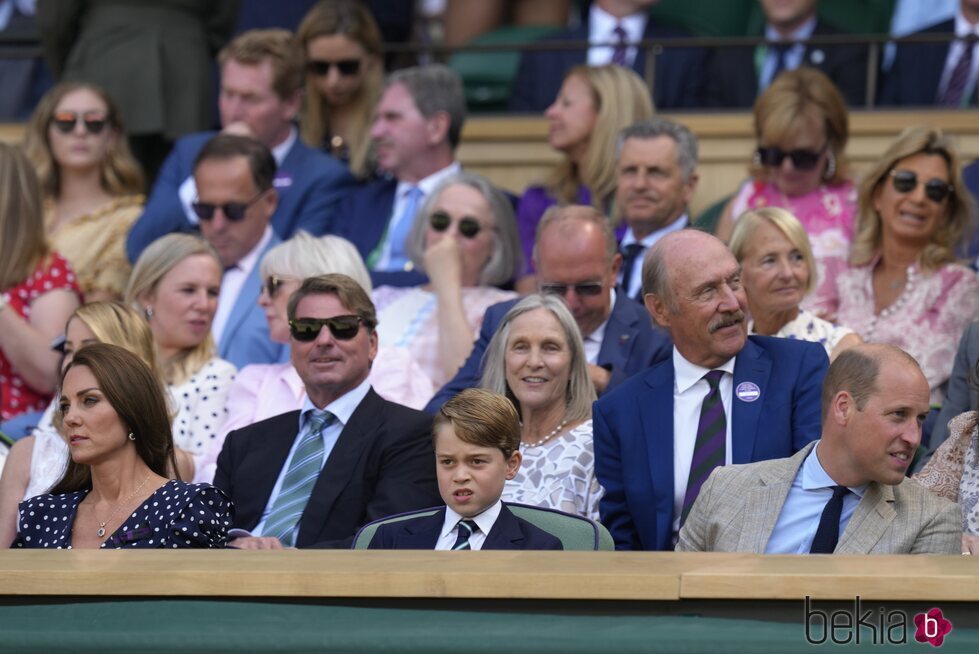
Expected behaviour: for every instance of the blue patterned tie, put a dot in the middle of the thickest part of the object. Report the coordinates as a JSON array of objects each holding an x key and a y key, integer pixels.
[
  {"x": 467, "y": 528},
  {"x": 397, "y": 237},
  {"x": 959, "y": 78},
  {"x": 709, "y": 448},
  {"x": 304, "y": 470}
]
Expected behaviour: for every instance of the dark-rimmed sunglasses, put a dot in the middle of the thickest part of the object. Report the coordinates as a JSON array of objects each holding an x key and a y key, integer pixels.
[
  {"x": 801, "y": 159},
  {"x": 321, "y": 67},
  {"x": 274, "y": 282},
  {"x": 905, "y": 181},
  {"x": 233, "y": 211},
  {"x": 65, "y": 121},
  {"x": 586, "y": 289},
  {"x": 468, "y": 227},
  {"x": 343, "y": 328}
]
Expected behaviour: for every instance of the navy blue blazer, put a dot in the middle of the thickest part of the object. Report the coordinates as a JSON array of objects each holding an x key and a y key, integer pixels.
[
  {"x": 508, "y": 533},
  {"x": 245, "y": 339},
  {"x": 631, "y": 344},
  {"x": 678, "y": 82},
  {"x": 917, "y": 70},
  {"x": 381, "y": 465},
  {"x": 732, "y": 75},
  {"x": 309, "y": 183},
  {"x": 633, "y": 427}
]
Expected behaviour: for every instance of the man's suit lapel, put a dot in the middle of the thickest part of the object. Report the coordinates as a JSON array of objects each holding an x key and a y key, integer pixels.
[
  {"x": 335, "y": 476},
  {"x": 752, "y": 366},
  {"x": 656, "y": 430},
  {"x": 421, "y": 533},
  {"x": 505, "y": 534},
  {"x": 271, "y": 448},
  {"x": 245, "y": 301},
  {"x": 764, "y": 503},
  {"x": 872, "y": 517},
  {"x": 620, "y": 334}
]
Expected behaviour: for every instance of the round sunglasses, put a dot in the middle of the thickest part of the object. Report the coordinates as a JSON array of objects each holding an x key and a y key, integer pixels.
[
  {"x": 469, "y": 227},
  {"x": 65, "y": 121},
  {"x": 343, "y": 328},
  {"x": 801, "y": 159},
  {"x": 321, "y": 67},
  {"x": 233, "y": 211},
  {"x": 905, "y": 181}
]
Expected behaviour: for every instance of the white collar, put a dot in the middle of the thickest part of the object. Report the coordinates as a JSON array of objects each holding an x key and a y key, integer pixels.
[
  {"x": 344, "y": 406},
  {"x": 598, "y": 334},
  {"x": 687, "y": 374},
  {"x": 649, "y": 240},
  {"x": 280, "y": 151},
  {"x": 963, "y": 27},
  {"x": 814, "y": 475},
  {"x": 250, "y": 260},
  {"x": 484, "y": 520},
  {"x": 801, "y": 34},
  {"x": 601, "y": 25},
  {"x": 428, "y": 184}
]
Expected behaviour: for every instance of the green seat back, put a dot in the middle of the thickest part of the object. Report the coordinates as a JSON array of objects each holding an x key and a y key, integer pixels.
[{"x": 709, "y": 217}]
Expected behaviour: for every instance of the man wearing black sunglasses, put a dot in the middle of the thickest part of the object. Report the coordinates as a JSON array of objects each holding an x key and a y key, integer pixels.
[
  {"x": 261, "y": 93},
  {"x": 311, "y": 478}
]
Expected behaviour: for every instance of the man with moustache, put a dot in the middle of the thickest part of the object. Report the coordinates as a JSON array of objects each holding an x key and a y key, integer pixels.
[
  {"x": 720, "y": 398},
  {"x": 656, "y": 177}
]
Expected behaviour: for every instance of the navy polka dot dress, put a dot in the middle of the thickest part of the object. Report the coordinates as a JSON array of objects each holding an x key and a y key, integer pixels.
[{"x": 178, "y": 514}]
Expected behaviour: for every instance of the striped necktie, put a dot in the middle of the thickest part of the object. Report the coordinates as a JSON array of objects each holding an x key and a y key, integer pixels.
[
  {"x": 467, "y": 528},
  {"x": 709, "y": 448},
  {"x": 620, "y": 50},
  {"x": 304, "y": 470}
]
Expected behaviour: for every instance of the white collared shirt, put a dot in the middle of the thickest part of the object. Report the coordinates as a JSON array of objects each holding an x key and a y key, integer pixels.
[
  {"x": 601, "y": 29},
  {"x": 593, "y": 342},
  {"x": 632, "y": 285},
  {"x": 793, "y": 56},
  {"x": 689, "y": 390},
  {"x": 188, "y": 188},
  {"x": 450, "y": 527},
  {"x": 956, "y": 49},
  {"x": 426, "y": 186},
  {"x": 232, "y": 283}
]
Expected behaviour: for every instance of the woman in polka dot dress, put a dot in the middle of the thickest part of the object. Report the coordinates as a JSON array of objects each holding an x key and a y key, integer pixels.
[
  {"x": 115, "y": 492},
  {"x": 37, "y": 291}
]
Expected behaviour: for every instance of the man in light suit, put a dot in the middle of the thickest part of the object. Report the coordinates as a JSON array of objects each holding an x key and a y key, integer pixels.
[
  {"x": 576, "y": 258},
  {"x": 262, "y": 75},
  {"x": 235, "y": 203},
  {"x": 846, "y": 493},
  {"x": 311, "y": 478},
  {"x": 720, "y": 398}
]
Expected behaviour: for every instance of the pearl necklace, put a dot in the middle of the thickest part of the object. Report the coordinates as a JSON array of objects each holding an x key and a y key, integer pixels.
[
  {"x": 554, "y": 432},
  {"x": 101, "y": 532}
]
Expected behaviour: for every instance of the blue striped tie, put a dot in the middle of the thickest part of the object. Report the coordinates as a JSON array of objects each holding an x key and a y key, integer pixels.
[
  {"x": 466, "y": 529},
  {"x": 709, "y": 448},
  {"x": 298, "y": 483}
]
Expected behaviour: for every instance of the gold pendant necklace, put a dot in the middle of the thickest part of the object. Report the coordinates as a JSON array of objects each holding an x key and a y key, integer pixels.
[{"x": 101, "y": 532}]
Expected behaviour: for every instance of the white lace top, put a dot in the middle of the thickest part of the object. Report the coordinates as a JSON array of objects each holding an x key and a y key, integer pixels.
[
  {"x": 559, "y": 474},
  {"x": 49, "y": 455},
  {"x": 812, "y": 328},
  {"x": 953, "y": 471}
]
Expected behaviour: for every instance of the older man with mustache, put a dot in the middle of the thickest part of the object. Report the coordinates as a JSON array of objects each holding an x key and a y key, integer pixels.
[{"x": 723, "y": 397}]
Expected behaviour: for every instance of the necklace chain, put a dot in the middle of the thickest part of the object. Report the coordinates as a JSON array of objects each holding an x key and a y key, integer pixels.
[
  {"x": 101, "y": 532},
  {"x": 554, "y": 432}
]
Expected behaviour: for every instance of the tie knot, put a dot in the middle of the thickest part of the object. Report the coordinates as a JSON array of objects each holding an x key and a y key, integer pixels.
[
  {"x": 840, "y": 491},
  {"x": 413, "y": 193},
  {"x": 714, "y": 378},
  {"x": 319, "y": 420},
  {"x": 632, "y": 250},
  {"x": 782, "y": 47},
  {"x": 619, "y": 32},
  {"x": 469, "y": 526}
]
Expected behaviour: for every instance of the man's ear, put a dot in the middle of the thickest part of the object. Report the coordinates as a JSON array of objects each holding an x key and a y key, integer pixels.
[
  {"x": 513, "y": 464},
  {"x": 658, "y": 309},
  {"x": 438, "y": 128},
  {"x": 842, "y": 408}
]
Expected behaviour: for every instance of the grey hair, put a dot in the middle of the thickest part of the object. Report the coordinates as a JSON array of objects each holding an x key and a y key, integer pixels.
[
  {"x": 560, "y": 214},
  {"x": 305, "y": 255},
  {"x": 656, "y": 278},
  {"x": 581, "y": 392},
  {"x": 686, "y": 142},
  {"x": 435, "y": 88},
  {"x": 506, "y": 258}
]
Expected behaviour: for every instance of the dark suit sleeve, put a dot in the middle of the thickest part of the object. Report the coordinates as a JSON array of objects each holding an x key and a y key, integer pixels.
[
  {"x": 613, "y": 508},
  {"x": 522, "y": 93},
  {"x": 319, "y": 209},
  {"x": 226, "y": 464},
  {"x": 470, "y": 373},
  {"x": 959, "y": 397},
  {"x": 58, "y": 23},
  {"x": 807, "y": 423},
  {"x": 163, "y": 213}
]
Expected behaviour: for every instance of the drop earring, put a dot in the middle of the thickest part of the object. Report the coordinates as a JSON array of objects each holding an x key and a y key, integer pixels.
[
  {"x": 830, "y": 166},
  {"x": 148, "y": 312},
  {"x": 132, "y": 436}
]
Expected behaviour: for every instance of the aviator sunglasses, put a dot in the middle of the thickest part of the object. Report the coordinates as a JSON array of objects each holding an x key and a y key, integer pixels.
[
  {"x": 468, "y": 227},
  {"x": 233, "y": 211},
  {"x": 905, "y": 181},
  {"x": 321, "y": 67},
  {"x": 65, "y": 121},
  {"x": 773, "y": 156},
  {"x": 343, "y": 328}
]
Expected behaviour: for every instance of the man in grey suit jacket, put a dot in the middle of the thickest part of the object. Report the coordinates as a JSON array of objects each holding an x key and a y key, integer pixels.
[{"x": 846, "y": 493}]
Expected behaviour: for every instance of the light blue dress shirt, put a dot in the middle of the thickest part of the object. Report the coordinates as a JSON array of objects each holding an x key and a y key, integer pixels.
[{"x": 793, "y": 56}]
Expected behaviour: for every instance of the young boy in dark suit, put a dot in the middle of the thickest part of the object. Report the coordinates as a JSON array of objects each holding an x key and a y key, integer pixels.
[{"x": 477, "y": 448}]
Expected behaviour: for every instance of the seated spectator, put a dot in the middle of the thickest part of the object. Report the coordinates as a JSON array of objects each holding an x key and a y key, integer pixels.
[
  {"x": 464, "y": 238},
  {"x": 476, "y": 437},
  {"x": 737, "y": 75},
  {"x": 175, "y": 285},
  {"x": 261, "y": 94},
  {"x": 117, "y": 491},
  {"x": 678, "y": 77},
  {"x": 464, "y": 20},
  {"x": 777, "y": 270},
  {"x": 722, "y": 398},
  {"x": 937, "y": 73},
  {"x": 802, "y": 127},
  {"x": 537, "y": 359},
  {"x": 577, "y": 261},
  {"x": 312, "y": 478},
  {"x": 960, "y": 396},
  {"x": 378, "y": 217},
  {"x": 592, "y": 107},
  {"x": 344, "y": 74},
  {"x": 38, "y": 460},
  {"x": 901, "y": 284},
  {"x": 37, "y": 291},
  {"x": 261, "y": 391},
  {"x": 91, "y": 181},
  {"x": 844, "y": 494}
]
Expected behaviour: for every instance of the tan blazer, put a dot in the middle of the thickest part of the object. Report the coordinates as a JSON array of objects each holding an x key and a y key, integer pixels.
[{"x": 738, "y": 506}]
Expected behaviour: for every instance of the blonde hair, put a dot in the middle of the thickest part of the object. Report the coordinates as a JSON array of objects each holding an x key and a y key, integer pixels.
[
  {"x": 868, "y": 239},
  {"x": 156, "y": 261},
  {"x": 118, "y": 324},
  {"x": 22, "y": 239},
  {"x": 797, "y": 96},
  {"x": 119, "y": 172},
  {"x": 621, "y": 99},
  {"x": 784, "y": 222},
  {"x": 305, "y": 255},
  {"x": 277, "y": 46},
  {"x": 354, "y": 21}
]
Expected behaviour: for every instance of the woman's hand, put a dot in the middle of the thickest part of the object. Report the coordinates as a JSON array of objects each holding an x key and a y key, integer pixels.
[
  {"x": 443, "y": 264},
  {"x": 970, "y": 544}
]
